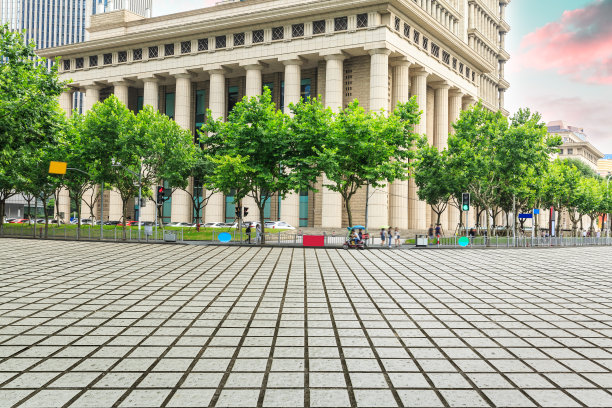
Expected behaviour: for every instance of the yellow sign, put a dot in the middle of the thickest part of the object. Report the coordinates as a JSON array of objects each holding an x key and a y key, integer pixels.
[{"x": 57, "y": 167}]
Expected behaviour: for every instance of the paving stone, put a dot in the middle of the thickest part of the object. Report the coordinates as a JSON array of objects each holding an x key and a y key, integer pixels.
[{"x": 193, "y": 325}]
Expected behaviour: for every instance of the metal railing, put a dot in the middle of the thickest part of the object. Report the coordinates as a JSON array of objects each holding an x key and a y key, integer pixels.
[{"x": 522, "y": 242}]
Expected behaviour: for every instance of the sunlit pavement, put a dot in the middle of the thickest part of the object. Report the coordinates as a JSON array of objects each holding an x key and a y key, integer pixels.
[{"x": 101, "y": 324}]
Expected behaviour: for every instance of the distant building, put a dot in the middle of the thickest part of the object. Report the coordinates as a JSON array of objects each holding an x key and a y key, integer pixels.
[
  {"x": 604, "y": 165},
  {"x": 576, "y": 144}
]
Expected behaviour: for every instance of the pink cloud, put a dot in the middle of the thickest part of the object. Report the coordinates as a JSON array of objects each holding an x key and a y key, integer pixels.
[
  {"x": 590, "y": 114},
  {"x": 579, "y": 45}
]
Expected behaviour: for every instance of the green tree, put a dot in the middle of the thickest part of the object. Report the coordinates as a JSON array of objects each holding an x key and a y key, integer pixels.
[
  {"x": 433, "y": 177},
  {"x": 254, "y": 152},
  {"x": 28, "y": 92},
  {"x": 368, "y": 148}
]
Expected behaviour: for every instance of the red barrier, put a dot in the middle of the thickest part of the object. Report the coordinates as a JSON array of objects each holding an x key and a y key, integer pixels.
[{"x": 313, "y": 240}]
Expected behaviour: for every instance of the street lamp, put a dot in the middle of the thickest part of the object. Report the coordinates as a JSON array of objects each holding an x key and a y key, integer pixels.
[
  {"x": 139, "y": 175},
  {"x": 607, "y": 200}
]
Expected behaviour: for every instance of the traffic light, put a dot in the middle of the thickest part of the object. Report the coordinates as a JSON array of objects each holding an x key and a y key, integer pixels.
[
  {"x": 238, "y": 210},
  {"x": 160, "y": 194},
  {"x": 246, "y": 211},
  {"x": 465, "y": 199}
]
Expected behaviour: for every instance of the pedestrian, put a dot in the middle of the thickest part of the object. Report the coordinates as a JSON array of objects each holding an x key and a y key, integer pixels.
[
  {"x": 430, "y": 232},
  {"x": 398, "y": 241},
  {"x": 438, "y": 233},
  {"x": 390, "y": 237},
  {"x": 383, "y": 237},
  {"x": 258, "y": 234},
  {"x": 248, "y": 232}
]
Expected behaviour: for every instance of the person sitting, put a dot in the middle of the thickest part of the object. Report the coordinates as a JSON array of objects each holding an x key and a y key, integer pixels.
[
  {"x": 354, "y": 237},
  {"x": 360, "y": 234}
]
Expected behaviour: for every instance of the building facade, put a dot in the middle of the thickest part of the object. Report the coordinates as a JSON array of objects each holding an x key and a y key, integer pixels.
[
  {"x": 447, "y": 53},
  {"x": 604, "y": 165},
  {"x": 576, "y": 144}
]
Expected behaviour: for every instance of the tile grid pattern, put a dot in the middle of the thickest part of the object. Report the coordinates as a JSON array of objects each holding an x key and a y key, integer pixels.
[{"x": 89, "y": 324}]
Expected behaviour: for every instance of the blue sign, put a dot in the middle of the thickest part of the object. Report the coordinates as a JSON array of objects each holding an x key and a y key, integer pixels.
[
  {"x": 225, "y": 237},
  {"x": 464, "y": 241},
  {"x": 524, "y": 216},
  {"x": 536, "y": 210}
]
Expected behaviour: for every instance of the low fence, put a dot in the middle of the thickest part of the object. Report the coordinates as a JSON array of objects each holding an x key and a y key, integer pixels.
[
  {"x": 88, "y": 232},
  {"x": 289, "y": 238}
]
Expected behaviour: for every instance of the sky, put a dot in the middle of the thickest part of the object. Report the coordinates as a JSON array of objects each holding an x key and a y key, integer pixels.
[{"x": 560, "y": 65}]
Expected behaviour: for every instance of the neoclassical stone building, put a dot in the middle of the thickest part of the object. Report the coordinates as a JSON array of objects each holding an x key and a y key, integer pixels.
[{"x": 448, "y": 53}]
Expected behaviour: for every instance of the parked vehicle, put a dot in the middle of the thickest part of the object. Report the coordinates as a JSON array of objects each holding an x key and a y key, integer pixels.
[
  {"x": 112, "y": 223},
  {"x": 20, "y": 221},
  {"x": 9, "y": 220},
  {"x": 179, "y": 224},
  {"x": 278, "y": 225},
  {"x": 214, "y": 225}
]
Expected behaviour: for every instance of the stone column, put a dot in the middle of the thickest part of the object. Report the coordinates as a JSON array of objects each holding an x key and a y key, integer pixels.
[
  {"x": 151, "y": 93},
  {"x": 253, "y": 80},
  {"x": 290, "y": 205},
  {"x": 115, "y": 205},
  {"x": 454, "y": 110},
  {"x": 417, "y": 208},
  {"x": 63, "y": 204},
  {"x": 253, "y": 88},
  {"x": 182, "y": 208},
  {"x": 398, "y": 192},
  {"x": 378, "y": 202},
  {"x": 92, "y": 96},
  {"x": 331, "y": 201},
  {"x": 215, "y": 209},
  {"x": 441, "y": 134}
]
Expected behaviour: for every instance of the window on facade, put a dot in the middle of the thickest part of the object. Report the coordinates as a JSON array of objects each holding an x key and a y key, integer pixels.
[
  {"x": 560, "y": 151},
  {"x": 467, "y": 72},
  {"x": 570, "y": 151},
  {"x": 203, "y": 44},
  {"x": 168, "y": 50},
  {"x": 435, "y": 50},
  {"x": 278, "y": 33},
  {"x": 93, "y": 60},
  {"x": 270, "y": 86},
  {"x": 446, "y": 57},
  {"x": 122, "y": 56},
  {"x": 238, "y": 39},
  {"x": 154, "y": 52},
  {"x": 297, "y": 30},
  {"x": 362, "y": 20},
  {"x": 454, "y": 63},
  {"x": 416, "y": 37},
  {"x": 397, "y": 24},
  {"x": 79, "y": 63},
  {"x": 473, "y": 76},
  {"x": 340, "y": 23},
  {"x": 461, "y": 68},
  {"x": 185, "y": 47},
  {"x": 66, "y": 65},
  {"x": 137, "y": 54},
  {"x": 318, "y": 27},
  {"x": 139, "y": 104},
  {"x": 258, "y": 36},
  {"x": 170, "y": 105},
  {"x": 108, "y": 59},
  {"x": 232, "y": 98},
  {"x": 220, "y": 42},
  {"x": 305, "y": 89},
  {"x": 200, "y": 111},
  {"x": 406, "y": 31},
  {"x": 425, "y": 43}
]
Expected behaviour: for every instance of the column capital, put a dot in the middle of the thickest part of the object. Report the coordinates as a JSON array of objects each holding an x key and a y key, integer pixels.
[
  {"x": 218, "y": 71},
  {"x": 384, "y": 51},
  {"x": 253, "y": 66},
  {"x": 439, "y": 85},
  {"x": 337, "y": 57},
  {"x": 456, "y": 92},
  {"x": 293, "y": 61},
  {"x": 122, "y": 82},
  {"x": 400, "y": 62},
  {"x": 69, "y": 90},
  {"x": 152, "y": 78},
  {"x": 181, "y": 75},
  {"x": 92, "y": 86},
  {"x": 420, "y": 72}
]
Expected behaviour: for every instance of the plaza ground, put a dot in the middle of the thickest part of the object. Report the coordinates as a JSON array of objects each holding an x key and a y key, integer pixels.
[{"x": 88, "y": 324}]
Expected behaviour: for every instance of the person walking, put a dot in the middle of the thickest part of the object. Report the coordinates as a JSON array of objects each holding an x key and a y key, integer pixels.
[
  {"x": 398, "y": 241},
  {"x": 248, "y": 233},
  {"x": 258, "y": 234},
  {"x": 430, "y": 232},
  {"x": 383, "y": 237},
  {"x": 390, "y": 237},
  {"x": 438, "y": 233}
]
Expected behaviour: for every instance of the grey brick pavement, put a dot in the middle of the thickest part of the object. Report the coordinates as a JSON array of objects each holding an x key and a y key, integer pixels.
[{"x": 128, "y": 325}]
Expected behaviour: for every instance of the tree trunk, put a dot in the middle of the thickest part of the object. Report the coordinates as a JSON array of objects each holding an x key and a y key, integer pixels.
[
  {"x": 124, "y": 211},
  {"x": 488, "y": 237},
  {"x": 2, "y": 215},
  {"x": 349, "y": 213},
  {"x": 260, "y": 206},
  {"x": 558, "y": 221},
  {"x": 44, "y": 203}
]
